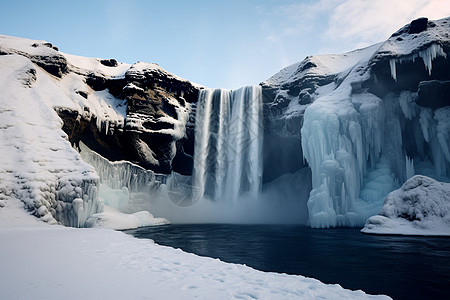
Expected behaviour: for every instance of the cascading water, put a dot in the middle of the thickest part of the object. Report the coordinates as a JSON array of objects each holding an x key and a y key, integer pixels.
[{"x": 228, "y": 143}]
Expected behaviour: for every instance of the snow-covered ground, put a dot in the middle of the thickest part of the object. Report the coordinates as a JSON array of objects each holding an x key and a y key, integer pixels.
[
  {"x": 41, "y": 261},
  {"x": 420, "y": 207}
]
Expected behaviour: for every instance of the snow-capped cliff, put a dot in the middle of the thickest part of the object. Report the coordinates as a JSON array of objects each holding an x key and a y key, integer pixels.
[
  {"x": 370, "y": 118},
  {"x": 50, "y": 100}
]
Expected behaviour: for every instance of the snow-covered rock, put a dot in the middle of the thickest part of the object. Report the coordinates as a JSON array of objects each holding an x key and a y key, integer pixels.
[
  {"x": 38, "y": 164},
  {"x": 369, "y": 120},
  {"x": 128, "y": 112},
  {"x": 420, "y": 207}
]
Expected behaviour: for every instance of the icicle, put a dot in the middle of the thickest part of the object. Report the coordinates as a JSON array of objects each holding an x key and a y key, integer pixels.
[
  {"x": 431, "y": 53},
  {"x": 410, "y": 172},
  {"x": 392, "y": 63}
]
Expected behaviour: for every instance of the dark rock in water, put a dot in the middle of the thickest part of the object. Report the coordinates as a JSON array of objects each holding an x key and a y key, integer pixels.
[
  {"x": 434, "y": 94},
  {"x": 109, "y": 62},
  {"x": 418, "y": 25}
]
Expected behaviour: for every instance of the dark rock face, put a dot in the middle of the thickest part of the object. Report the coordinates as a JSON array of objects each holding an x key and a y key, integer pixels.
[
  {"x": 148, "y": 137},
  {"x": 418, "y": 25},
  {"x": 434, "y": 94},
  {"x": 55, "y": 65},
  {"x": 153, "y": 94},
  {"x": 109, "y": 62}
]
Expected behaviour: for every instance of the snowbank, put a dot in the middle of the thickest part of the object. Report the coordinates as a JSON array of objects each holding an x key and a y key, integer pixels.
[
  {"x": 114, "y": 219},
  {"x": 420, "y": 207},
  {"x": 54, "y": 262}
]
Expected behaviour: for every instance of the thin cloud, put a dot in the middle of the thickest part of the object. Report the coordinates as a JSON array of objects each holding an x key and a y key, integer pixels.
[{"x": 367, "y": 22}]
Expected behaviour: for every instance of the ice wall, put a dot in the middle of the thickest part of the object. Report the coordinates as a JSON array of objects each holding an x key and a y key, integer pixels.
[
  {"x": 361, "y": 147},
  {"x": 342, "y": 140},
  {"x": 117, "y": 175},
  {"x": 228, "y": 143}
]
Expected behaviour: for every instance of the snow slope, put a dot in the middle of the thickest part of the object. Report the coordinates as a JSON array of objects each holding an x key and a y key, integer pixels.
[
  {"x": 39, "y": 166},
  {"x": 40, "y": 261}
]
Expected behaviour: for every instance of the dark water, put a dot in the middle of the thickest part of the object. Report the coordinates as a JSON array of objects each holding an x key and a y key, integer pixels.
[{"x": 401, "y": 267}]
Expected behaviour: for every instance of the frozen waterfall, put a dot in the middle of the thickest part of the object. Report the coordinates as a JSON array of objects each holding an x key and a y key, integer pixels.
[{"x": 228, "y": 143}]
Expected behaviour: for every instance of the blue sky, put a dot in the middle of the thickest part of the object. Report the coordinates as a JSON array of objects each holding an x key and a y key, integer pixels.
[{"x": 225, "y": 44}]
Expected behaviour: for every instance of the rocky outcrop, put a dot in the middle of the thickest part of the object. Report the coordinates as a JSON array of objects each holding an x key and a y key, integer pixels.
[
  {"x": 153, "y": 133},
  {"x": 415, "y": 53}
]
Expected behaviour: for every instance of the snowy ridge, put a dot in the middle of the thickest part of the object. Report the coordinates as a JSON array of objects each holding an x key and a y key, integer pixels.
[{"x": 321, "y": 65}]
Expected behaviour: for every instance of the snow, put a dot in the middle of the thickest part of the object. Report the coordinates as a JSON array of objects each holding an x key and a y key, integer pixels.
[
  {"x": 420, "y": 207},
  {"x": 41, "y": 261},
  {"x": 114, "y": 219},
  {"x": 39, "y": 166},
  {"x": 138, "y": 69},
  {"x": 86, "y": 65},
  {"x": 404, "y": 44},
  {"x": 326, "y": 64}
]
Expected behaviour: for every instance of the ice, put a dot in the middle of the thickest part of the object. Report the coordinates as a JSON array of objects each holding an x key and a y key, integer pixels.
[
  {"x": 120, "y": 174},
  {"x": 228, "y": 143},
  {"x": 123, "y": 184},
  {"x": 428, "y": 55},
  {"x": 420, "y": 207},
  {"x": 410, "y": 172},
  {"x": 342, "y": 139},
  {"x": 392, "y": 64},
  {"x": 361, "y": 147}
]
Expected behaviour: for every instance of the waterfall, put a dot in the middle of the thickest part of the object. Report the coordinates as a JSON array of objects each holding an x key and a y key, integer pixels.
[{"x": 228, "y": 143}]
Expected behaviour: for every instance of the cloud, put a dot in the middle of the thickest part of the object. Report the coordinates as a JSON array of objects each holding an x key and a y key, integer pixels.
[{"x": 368, "y": 21}]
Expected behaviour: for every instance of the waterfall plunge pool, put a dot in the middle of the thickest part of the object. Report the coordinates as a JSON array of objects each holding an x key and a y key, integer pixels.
[{"x": 399, "y": 266}]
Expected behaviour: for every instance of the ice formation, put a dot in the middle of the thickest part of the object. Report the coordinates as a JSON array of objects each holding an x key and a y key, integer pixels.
[
  {"x": 427, "y": 55},
  {"x": 120, "y": 174},
  {"x": 124, "y": 186},
  {"x": 420, "y": 207},
  {"x": 228, "y": 143},
  {"x": 360, "y": 147}
]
